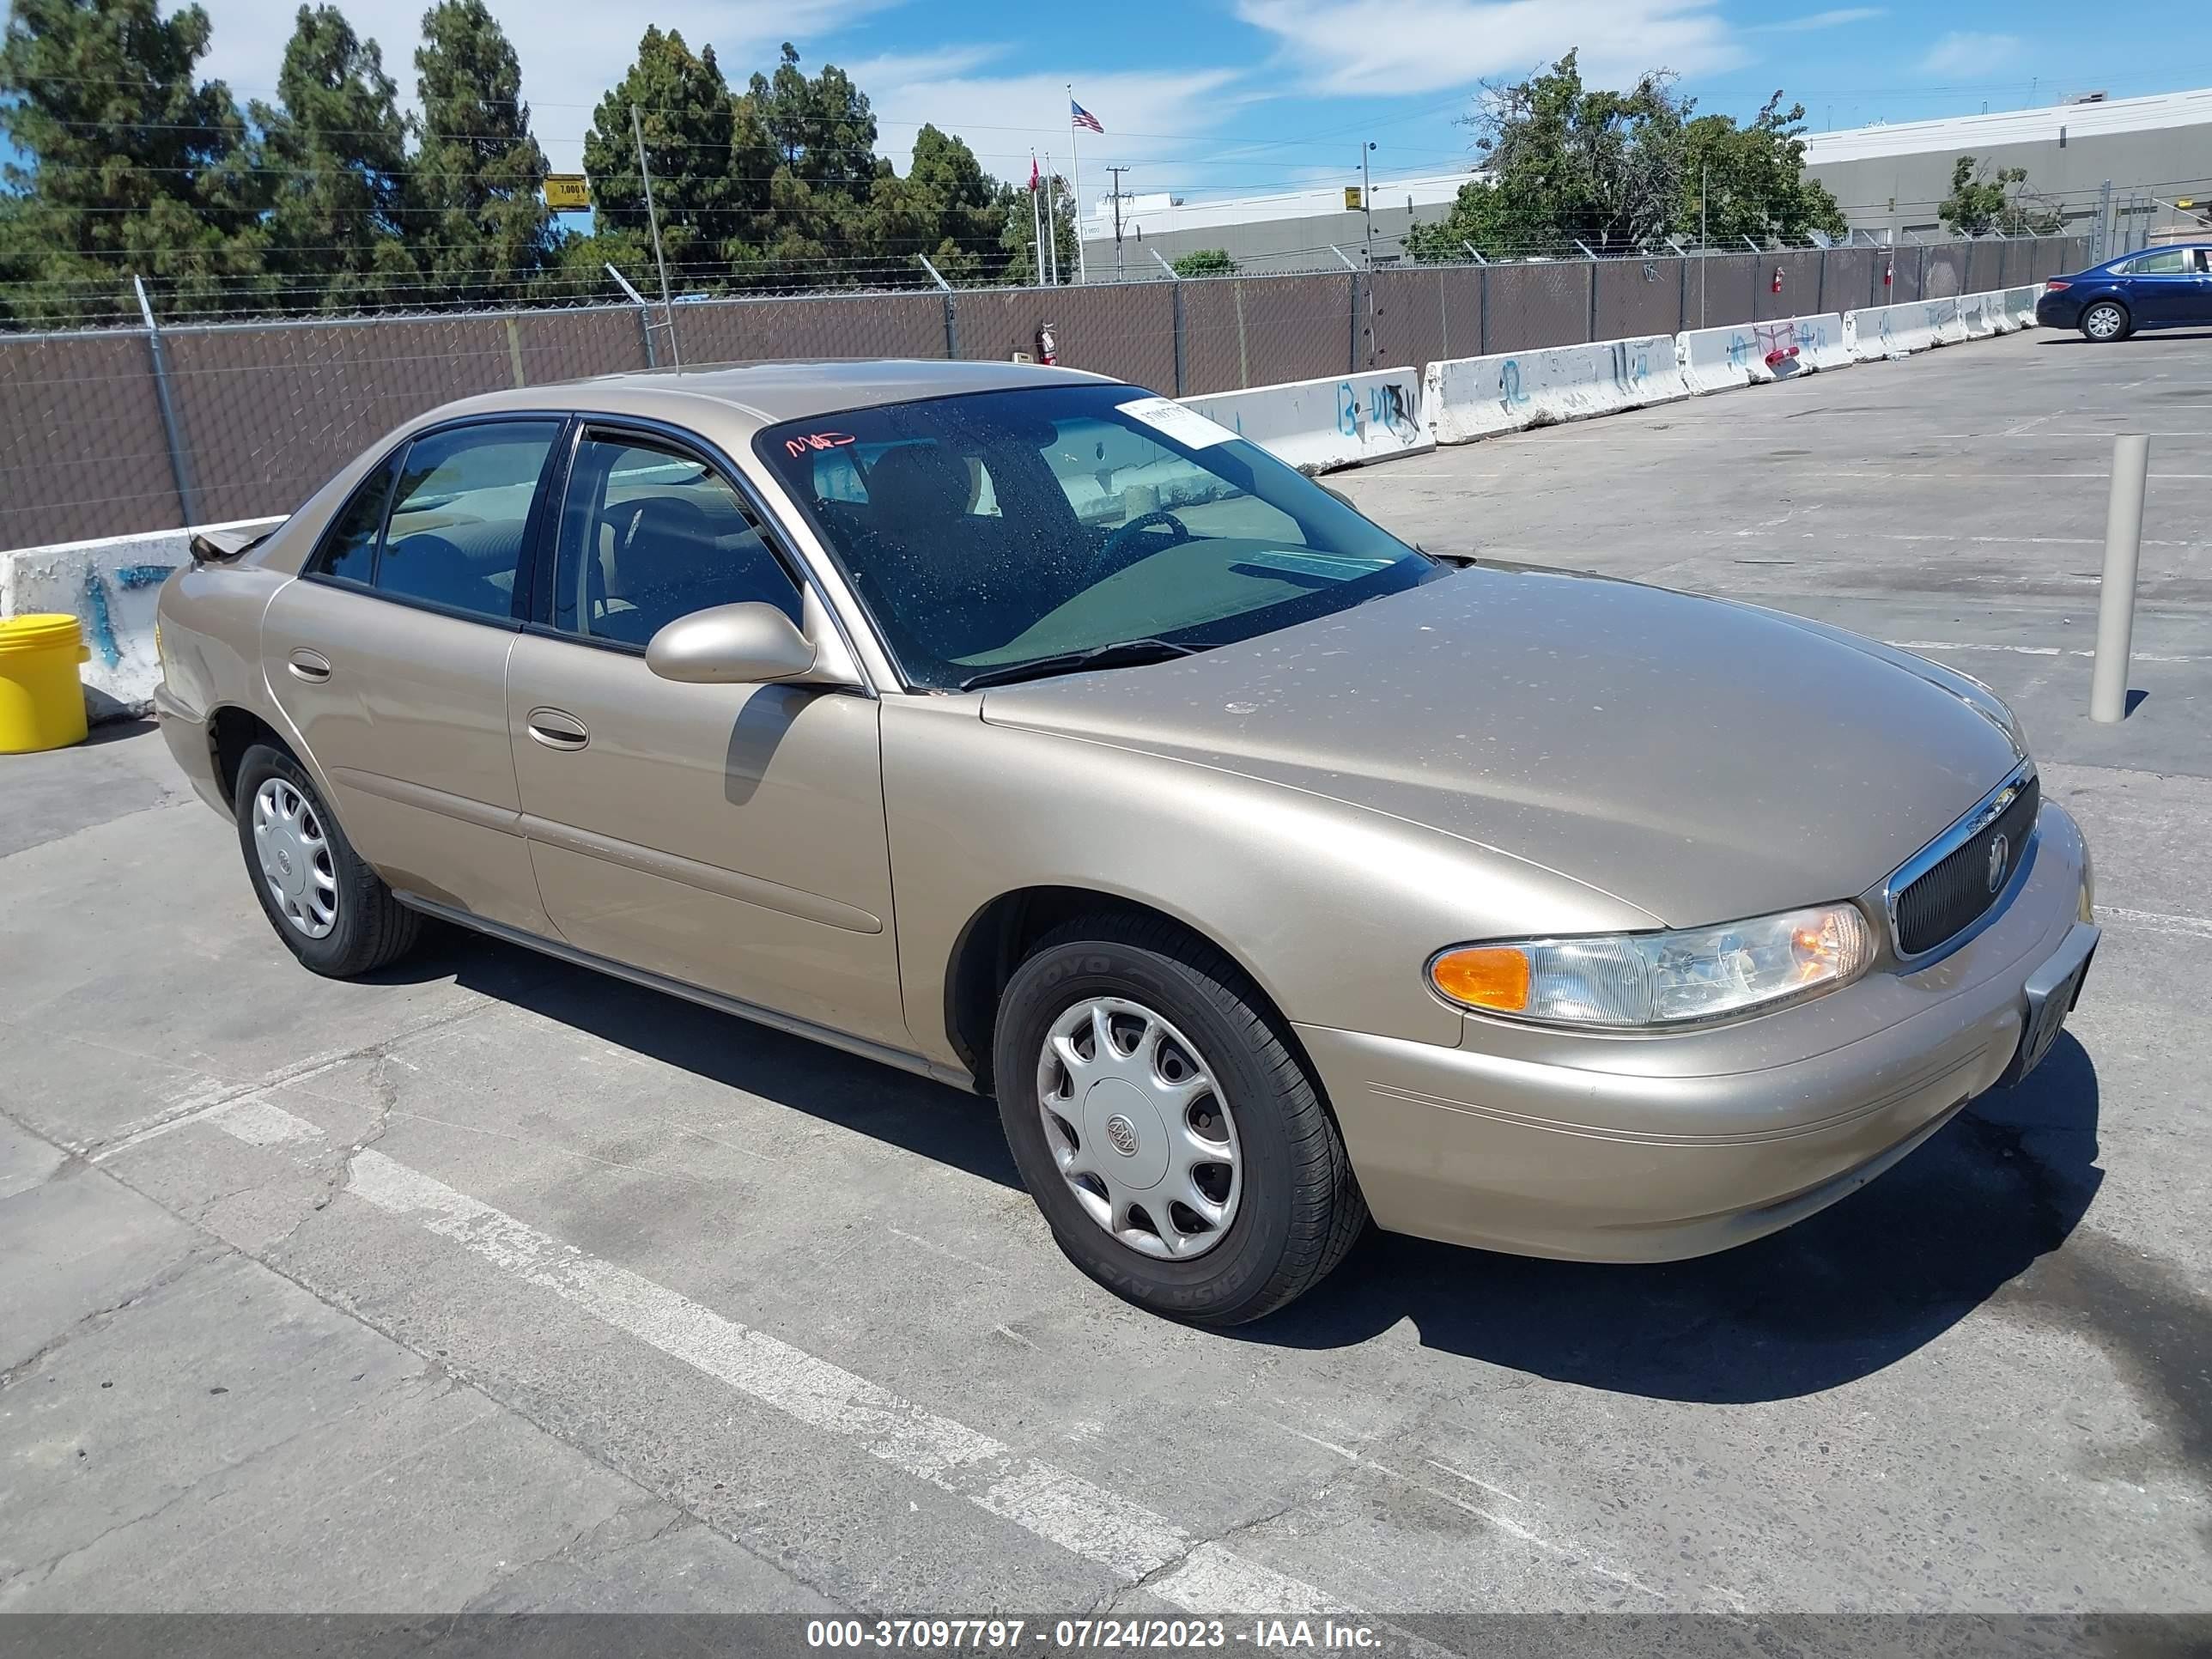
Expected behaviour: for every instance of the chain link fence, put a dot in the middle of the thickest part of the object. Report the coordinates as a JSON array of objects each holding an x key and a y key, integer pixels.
[{"x": 118, "y": 432}]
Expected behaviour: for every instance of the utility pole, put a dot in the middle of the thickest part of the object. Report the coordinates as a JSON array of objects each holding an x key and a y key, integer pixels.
[
  {"x": 653, "y": 218},
  {"x": 1367, "y": 201},
  {"x": 1117, "y": 173},
  {"x": 1704, "y": 247}
]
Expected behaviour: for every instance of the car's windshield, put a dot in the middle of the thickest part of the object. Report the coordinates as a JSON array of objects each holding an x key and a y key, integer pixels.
[{"x": 1002, "y": 528}]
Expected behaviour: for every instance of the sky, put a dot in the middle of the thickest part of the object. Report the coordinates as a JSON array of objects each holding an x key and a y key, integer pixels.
[{"x": 1206, "y": 98}]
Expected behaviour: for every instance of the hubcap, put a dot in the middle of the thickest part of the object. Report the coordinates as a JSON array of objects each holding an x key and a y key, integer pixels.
[
  {"x": 295, "y": 859},
  {"x": 1138, "y": 1128},
  {"x": 2104, "y": 322}
]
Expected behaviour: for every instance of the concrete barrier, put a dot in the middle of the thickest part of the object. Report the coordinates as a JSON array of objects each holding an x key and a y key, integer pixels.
[
  {"x": 110, "y": 587},
  {"x": 1881, "y": 331},
  {"x": 1468, "y": 398},
  {"x": 1981, "y": 315},
  {"x": 1752, "y": 353},
  {"x": 1320, "y": 425},
  {"x": 2020, "y": 305}
]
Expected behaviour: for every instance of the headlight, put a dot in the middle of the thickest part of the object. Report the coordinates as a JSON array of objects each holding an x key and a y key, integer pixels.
[{"x": 1621, "y": 982}]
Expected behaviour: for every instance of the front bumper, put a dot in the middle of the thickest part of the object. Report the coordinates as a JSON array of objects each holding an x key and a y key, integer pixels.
[{"x": 1654, "y": 1148}]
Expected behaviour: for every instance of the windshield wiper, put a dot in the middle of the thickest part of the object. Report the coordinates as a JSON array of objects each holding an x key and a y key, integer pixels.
[{"x": 1119, "y": 654}]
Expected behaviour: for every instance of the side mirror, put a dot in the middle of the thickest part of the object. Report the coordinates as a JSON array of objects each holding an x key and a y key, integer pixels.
[{"x": 749, "y": 644}]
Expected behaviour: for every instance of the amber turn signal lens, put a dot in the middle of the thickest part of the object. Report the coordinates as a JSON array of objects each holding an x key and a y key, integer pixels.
[{"x": 1484, "y": 976}]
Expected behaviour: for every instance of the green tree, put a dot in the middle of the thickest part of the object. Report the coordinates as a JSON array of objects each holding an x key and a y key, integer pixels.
[
  {"x": 1019, "y": 237},
  {"x": 1981, "y": 202},
  {"x": 1564, "y": 162},
  {"x": 824, "y": 136},
  {"x": 479, "y": 228},
  {"x": 333, "y": 152},
  {"x": 129, "y": 165},
  {"x": 710, "y": 159},
  {"x": 946, "y": 208},
  {"x": 1205, "y": 262},
  {"x": 1750, "y": 181}
]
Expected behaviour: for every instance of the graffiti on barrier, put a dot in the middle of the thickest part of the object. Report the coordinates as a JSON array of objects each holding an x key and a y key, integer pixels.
[
  {"x": 100, "y": 614},
  {"x": 1631, "y": 365},
  {"x": 1510, "y": 393},
  {"x": 1382, "y": 406}
]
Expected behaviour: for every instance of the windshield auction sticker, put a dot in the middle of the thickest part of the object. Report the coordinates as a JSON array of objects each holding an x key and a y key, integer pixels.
[{"x": 1186, "y": 426}]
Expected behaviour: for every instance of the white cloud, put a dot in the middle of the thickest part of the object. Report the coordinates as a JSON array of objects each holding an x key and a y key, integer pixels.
[
  {"x": 569, "y": 54},
  {"x": 1149, "y": 116},
  {"x": 1822, "y": 20},
  {"x": 1965, "y": 52},
  {"x": 1396, "y": 46}
]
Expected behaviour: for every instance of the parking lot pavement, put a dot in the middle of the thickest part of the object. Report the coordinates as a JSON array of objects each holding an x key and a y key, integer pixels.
[{"x": 495, "y": 1284}]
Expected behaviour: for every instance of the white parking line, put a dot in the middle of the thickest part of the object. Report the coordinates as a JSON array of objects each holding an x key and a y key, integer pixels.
[
  {"x": 2157, "y": 921},
  {"x": 1130, "y": 1542},
  {"x": 2029, "y": 650}
]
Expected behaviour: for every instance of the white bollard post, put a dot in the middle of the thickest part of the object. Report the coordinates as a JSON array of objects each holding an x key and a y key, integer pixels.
[{"x": 2116, "y": 594}]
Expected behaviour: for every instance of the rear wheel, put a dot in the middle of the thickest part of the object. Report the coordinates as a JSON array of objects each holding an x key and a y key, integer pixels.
[
  {"x": 1171, "y": 1138},
  {"x": 330, "y": 909},
  {"x": 2105, "y": 320}
]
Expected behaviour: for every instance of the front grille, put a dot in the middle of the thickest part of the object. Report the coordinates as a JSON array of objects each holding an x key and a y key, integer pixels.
[{"x": 1951, "y": 896}]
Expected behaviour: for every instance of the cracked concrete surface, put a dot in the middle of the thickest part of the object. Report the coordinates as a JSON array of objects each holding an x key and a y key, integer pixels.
[{"x": 228, "y": 1382}]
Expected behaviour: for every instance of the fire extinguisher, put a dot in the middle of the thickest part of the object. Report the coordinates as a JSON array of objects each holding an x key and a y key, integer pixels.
[
  {"x": 1777, "y": 279},
  {"x": 1047, "y": 344},
  {"x": 1888, "y": 271}
]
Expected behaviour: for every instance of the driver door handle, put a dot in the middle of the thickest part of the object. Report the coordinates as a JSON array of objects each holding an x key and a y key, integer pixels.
[
  {"x": 312, "y": 666},
  {"x": 557, "y": 730}
]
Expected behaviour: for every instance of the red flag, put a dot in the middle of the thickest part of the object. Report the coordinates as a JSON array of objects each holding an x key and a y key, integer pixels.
[{"x": 1033, "y": 179}]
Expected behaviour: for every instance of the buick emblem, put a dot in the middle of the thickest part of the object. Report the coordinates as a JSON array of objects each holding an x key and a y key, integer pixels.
[
  {"x": 1123, "y": 1134},
  {"x": 2000, "y": 850}
]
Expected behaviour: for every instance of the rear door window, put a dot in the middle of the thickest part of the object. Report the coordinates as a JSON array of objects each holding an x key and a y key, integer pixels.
[
  {"x": 460, "y": 516},
  {"x": 348, "y": 549}
]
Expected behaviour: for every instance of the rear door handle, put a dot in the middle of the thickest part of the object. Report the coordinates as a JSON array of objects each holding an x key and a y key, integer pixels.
[
  {"x": 556, "y": 730},
  {"x": 310, "y": 666}
]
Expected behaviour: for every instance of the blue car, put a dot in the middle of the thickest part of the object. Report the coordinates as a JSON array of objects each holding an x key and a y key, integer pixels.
[{"x": 2156, "y": 288}]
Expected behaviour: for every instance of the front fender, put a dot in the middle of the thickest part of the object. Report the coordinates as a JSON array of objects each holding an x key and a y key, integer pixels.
[{"x": 1332, "y": 909}]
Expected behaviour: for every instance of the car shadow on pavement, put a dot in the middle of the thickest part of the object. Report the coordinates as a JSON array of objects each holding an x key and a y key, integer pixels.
[
  {"x": 929, "y": 1119},
  {"x": 1840, "y": 1295}
]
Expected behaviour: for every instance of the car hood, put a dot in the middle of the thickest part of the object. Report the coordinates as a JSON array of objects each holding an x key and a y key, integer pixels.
[{"x": 1698, "y": 759}]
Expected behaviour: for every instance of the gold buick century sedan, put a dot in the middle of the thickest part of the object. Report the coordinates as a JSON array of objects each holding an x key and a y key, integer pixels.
[{"x": 1024, "y": 729}]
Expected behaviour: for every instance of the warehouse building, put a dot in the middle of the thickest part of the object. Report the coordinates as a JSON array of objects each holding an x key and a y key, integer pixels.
[{"x": 2155, "y": 152}]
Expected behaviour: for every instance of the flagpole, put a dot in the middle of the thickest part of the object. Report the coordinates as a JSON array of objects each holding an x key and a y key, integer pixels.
[
  {"x": 1075, "y": 169},
  {"x": 1036, "y": 224},
  {"x": 1051, "y": 226}
]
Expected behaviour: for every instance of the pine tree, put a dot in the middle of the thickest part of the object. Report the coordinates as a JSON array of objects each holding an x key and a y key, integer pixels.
[
  {"x": 335, "y": 153},
  {"x": 480, "y": 230},
  {"x": 824, "y": 136},
  {"x": 130, "y": 165},
  {"x": 700, "y": 152},
  {"x": 946, "y": 208}
]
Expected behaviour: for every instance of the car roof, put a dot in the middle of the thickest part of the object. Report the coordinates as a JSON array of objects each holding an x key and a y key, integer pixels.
[
  {"x": 765, "y": 394},
  {"x": 2161, "y": 247}
]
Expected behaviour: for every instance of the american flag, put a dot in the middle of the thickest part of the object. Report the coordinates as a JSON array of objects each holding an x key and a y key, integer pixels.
[{"x": 1079, "y": 117}]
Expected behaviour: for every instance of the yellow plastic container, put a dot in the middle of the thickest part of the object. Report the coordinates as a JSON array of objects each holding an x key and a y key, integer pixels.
[{"x": 41, "y": 699}]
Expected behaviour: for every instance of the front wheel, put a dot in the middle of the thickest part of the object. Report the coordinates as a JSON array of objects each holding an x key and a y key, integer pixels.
[
  {"x": 330, "y": 909},
  {"x": 2105, "y": 321},
  {"x": 1171, "y": 1136}
]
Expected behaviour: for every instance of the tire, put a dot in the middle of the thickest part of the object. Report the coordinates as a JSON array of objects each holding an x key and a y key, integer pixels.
[
  {"x": 367, "y": 928},
  {"x": 2105, "y": 321},
  {"x": 1295, "y": 1207}
]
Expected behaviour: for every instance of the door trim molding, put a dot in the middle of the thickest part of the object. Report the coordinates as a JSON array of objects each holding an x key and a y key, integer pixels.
[
  {"x": 790, "y": 1025},
  {"x": 757, "y": 891}
]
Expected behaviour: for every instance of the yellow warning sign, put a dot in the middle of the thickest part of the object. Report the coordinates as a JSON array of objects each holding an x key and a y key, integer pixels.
[
  {"x": 1352, "y": 198},
  {"x": 565, "y": 193}
]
